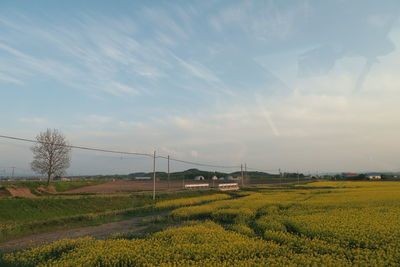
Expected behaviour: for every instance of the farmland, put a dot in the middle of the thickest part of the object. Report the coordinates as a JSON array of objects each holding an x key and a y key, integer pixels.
[
  {"x": 59, "y": 186},
  {"x": 23, "y": 216},
  {"x": 162, "y": 185},
  {"x": 320, "y": 223}
]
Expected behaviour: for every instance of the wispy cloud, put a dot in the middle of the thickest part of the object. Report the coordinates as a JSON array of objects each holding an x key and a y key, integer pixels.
[
  {"x": 119, "y": 89},
  {"x": 34, "y": 120},
  {"x": 199, "y": 71},
  {"x": 195, "y": 77},
  {"x": 98, "y": 56},
  {"x": 8, "y": 79},
  {"x": 97, "y": 119}
]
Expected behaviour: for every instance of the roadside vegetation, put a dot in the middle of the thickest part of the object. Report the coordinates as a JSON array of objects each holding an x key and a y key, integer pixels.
[
  {"x": 322, "y": 224},
  {"x": 58, "y": 185},
  {"x": 23, "y": 216},
  {"x": 190, "y": 201}
]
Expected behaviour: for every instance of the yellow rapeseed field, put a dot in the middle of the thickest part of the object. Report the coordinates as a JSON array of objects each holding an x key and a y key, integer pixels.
[
  {"x": 318, "y": 224},
  {"x": 190, "y": 201}
]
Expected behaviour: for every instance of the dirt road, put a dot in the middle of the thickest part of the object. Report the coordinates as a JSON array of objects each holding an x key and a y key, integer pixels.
[{"x": 133, "y": 225}]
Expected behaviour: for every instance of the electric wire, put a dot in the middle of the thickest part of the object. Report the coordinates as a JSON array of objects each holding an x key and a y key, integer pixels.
[{"x": 122, "y": 152}]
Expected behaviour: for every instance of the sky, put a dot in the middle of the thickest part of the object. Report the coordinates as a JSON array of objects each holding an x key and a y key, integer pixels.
[{"x": 309, "y": 86}]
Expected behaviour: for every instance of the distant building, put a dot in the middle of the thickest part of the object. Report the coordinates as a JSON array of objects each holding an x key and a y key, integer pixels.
[
  {"x": 199, "y": 178},
  {"x": 374, "y": 177},
  {"x": 65, "y": 179},
  {"x": 142, "y": 178},
  {"x": 228, "y": 187},
  {"x": 196, "y": 186}
]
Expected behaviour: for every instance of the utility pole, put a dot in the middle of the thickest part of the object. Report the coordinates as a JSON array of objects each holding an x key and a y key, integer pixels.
[
  {"x": 213, "y": 181},
  {"x": 245, "y": 171},
  {"x": 154, "y": 175},
  {"x": 280, "y": 177},
  {"x": 241, "y": 170},
  {"x": 12, "y": 173},
  {"x": 168, "y": 172},
  {"x": 298, "y": 177}
]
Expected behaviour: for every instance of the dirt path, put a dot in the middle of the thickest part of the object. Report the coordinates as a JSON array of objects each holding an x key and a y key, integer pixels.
[
  {"x": 99, "y": 232},
  {"x": 20, "y": 192}
]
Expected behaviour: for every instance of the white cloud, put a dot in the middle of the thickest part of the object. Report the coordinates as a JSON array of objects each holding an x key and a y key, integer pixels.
[
  {"x": 322, "y": 123},
  {"x": 8, "y": 79},
  {"x": 120, "y": 89},
  {"x": 131, "y": 124},
  {"x": 97, "y": 119},
  {"x": 34, "y": 120},
  {"x": 261, "y": 21},
  {"x": 92, "y": 58}
]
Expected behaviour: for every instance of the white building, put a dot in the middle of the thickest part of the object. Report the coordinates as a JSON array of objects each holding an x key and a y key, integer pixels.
[
  {"x": 374, "y": 177},
  {"x": 142, "y": 178}
]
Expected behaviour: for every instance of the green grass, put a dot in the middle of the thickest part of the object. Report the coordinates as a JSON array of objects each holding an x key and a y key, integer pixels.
[
  {"x": 23, "y": 216},
  {"x": 60, "y": 186},
  {"x": 19, "y": 210},
  {"x": 24, "y": 209}
]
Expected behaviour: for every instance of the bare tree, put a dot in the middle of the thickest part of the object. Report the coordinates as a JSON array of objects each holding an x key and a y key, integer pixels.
[{"x": 51, "y": 154}]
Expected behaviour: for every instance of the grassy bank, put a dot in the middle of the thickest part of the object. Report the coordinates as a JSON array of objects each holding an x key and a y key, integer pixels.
[
  {"x": 60, "y": 186},
  {"x": 21, "y": 216}
]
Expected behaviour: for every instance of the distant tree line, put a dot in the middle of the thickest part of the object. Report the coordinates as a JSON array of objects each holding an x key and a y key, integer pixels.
[{"x": 189, "y": 174}]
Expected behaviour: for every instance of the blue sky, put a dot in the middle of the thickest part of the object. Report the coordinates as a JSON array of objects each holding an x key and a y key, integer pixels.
[{"x": 297, "y": 85}]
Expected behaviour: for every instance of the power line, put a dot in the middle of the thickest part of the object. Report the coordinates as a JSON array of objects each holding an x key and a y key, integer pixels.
[
  {"x": 16, "y": 168},
  {"x": 260, "y": 170},
  {"x": 78, "y": 147},
  {"x": 120, "y": 152},
  {"x": 200, "y": 164}
]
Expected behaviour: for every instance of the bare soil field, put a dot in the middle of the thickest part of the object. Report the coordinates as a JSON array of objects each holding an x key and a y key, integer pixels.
[
  {"x": 132, "y": 186},
  {"x": 20, "y": 192},
  {"x": 4, "y": 193},
  {"x": 47, "y": 189}
]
